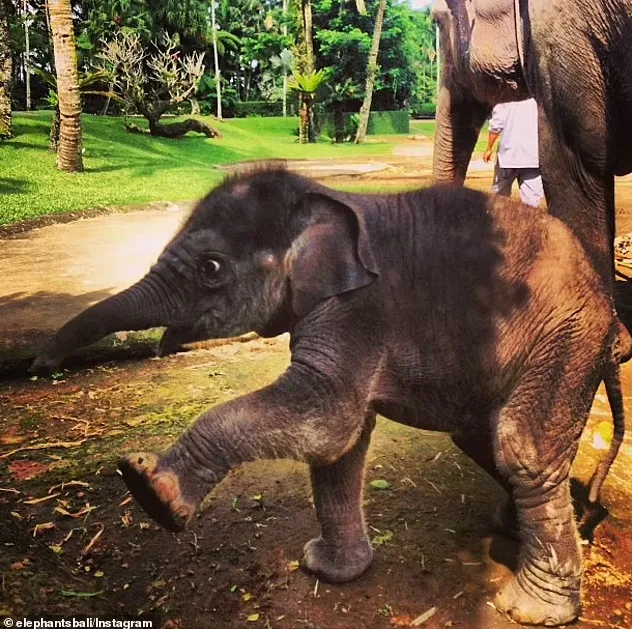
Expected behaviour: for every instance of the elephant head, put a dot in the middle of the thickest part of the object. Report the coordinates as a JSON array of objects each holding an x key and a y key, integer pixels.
[
  {"x": 257, "y": 254},
  {"x": 481, "y": 67}
]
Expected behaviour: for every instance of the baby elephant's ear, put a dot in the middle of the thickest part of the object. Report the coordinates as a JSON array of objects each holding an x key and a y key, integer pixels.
[{"x": 332, "y": 255}]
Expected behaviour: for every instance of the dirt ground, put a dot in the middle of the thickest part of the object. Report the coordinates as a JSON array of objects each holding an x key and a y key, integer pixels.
[{"x": 73, "y": 541}]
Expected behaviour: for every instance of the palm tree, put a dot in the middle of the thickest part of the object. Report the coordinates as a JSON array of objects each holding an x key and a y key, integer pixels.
[
  {"x": 306, "y": 84},
  {"x": 6, "y": 73},
  {"x": 283, "y": 63},
  {"x": 371, "y": 72},
  {"x": 69, "y": 151}
]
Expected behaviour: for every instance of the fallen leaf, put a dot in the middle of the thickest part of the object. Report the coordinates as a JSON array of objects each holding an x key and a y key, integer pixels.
[
  {"x": 246, "y": 597},
  {"x": 380, "y": 484},
  {"x": 93, "y": 540},
  {"x": 25, "y": 470},
  {"x": 384, "y": 538},
  {"x": 44, "y": 446},
  {"x": 293, "y": 565},
  {"x": 34, "y": 501},
  {"x": 69, "y": 483},
  {"x": 252, "y": 618},
  {"x": 81, "y": 594},
  {"x": 427, "y": 615},
  {"x": 44, "y": 526}
]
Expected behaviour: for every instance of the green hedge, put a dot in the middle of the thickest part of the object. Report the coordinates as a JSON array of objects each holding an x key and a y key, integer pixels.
[
  {"x": 424, "y": 110},
  {"x": 388, "y": 122},
  {"x": 380, "y": 123},
  {"x": 262, "y": 108}
]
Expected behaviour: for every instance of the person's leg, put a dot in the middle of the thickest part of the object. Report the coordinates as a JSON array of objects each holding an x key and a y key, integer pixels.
[
  {"x": 531, "y": 188},
  {"x": 503, "y": 180}
]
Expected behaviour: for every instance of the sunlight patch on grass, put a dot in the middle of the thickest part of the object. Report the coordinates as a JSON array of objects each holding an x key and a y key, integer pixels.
[{"x": 123, "y": 168}]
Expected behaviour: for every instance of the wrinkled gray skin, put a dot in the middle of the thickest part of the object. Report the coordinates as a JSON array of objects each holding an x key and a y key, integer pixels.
[
  {"x": 440, "y": 309},
  {"x": 577, "y": 58}
]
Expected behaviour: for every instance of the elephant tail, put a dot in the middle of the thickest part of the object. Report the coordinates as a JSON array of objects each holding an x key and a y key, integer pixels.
[{"x": 612, "y": 380}]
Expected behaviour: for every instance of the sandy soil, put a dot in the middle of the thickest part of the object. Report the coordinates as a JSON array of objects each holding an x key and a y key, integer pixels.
[{"x": 73, "y": 541}]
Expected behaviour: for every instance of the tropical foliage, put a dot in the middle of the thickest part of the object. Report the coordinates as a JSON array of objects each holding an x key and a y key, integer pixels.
[{"x": 259, "y": 44}]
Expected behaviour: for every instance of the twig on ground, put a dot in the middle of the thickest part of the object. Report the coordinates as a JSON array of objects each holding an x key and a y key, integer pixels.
[{"x": 44, "y": 446}]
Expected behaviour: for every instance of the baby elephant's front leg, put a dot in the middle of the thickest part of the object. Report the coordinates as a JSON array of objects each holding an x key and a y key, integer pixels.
[
  {"x": 301, "y": 416},
  {"x": 343, "y": 550}
]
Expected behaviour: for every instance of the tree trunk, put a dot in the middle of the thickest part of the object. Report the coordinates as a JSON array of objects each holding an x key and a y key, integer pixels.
[
  {"x": 53, "y": 136},
  {"x": 27, "y": 57},
  {"x": 284, "y": 31},
  {"x": 6, "y": 73},
  {"x": 304, "y": 116},
  {"x": 106, "y": 105},
  {"x": 218, "y": 78},
  {"x": 371, "y": 72},
  {"x": 308, "y": 34},
  {"x": 339, "y": 123},
  {"x": 175, "y": 129},
  {"x": 195, "y": 106},
  {"x": 69, "y": 152}
]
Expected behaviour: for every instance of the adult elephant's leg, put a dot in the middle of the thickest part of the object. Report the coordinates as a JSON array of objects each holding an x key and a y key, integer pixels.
[
  {"x": 535, "y": 441},
  {"x": 343, "y": 551},
  {"x": 578, "y": 184},
  {"x": 459, "y": 122}
]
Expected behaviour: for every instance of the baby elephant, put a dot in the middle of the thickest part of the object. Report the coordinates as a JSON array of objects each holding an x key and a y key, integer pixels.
[{"x": 442, "y": 309}]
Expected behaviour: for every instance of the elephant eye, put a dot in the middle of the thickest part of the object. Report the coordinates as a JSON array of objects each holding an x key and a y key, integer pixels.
[{"x": 211, "y": 267}]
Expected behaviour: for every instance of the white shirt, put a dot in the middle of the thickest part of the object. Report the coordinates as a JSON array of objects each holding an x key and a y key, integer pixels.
[{"x": 517, "y": 124}]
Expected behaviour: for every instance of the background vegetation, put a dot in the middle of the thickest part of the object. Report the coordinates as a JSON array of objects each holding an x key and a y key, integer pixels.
[
  {"x": 124, "y": 168},
  {"x": 252, "y": 36}
]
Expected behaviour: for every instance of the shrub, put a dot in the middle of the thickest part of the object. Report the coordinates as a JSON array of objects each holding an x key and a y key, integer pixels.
[
  {"x": 388, "y": 122},
  {"x": 380, "y": 123},
  {"x": 424, "y": 110},
  {"x": 243, "y": 109}
]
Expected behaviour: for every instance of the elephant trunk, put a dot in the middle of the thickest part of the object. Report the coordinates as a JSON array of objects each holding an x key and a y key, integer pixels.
[
  {"x": 459, "y": 122},
  {"x": 146, "y": 304}
]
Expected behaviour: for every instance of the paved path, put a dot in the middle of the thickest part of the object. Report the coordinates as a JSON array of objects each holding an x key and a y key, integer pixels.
[{"x": 53, "y": 273}]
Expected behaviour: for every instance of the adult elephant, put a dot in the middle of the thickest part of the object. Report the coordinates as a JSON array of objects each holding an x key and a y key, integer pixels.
[{"x": 575, "y": 58}]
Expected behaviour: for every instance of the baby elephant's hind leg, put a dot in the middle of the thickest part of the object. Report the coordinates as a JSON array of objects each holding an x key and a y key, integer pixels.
[
  {"x": 535, "y": 442},
  {"x": 478, "y": 445},
  {"x": 343, "y": 550}
]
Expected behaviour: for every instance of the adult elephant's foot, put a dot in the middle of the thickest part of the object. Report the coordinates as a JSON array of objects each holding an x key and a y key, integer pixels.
[
  {"x": 156, "y": 490},
  {"x": 527, "y": 608},
  {"x": 504, "y": 520},
  {"x": 336, "y": 564}
]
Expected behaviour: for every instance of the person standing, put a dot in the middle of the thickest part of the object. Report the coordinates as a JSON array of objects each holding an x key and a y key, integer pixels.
[{"x": 516, "y": 124}]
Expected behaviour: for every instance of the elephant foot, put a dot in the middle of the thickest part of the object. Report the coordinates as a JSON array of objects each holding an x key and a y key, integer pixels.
[
  {"x": 157, "y": 491},
  {"x": 335, "y": 564},
  {"x": 504, "y": 520},
  {"x": 528, "y": 609}
]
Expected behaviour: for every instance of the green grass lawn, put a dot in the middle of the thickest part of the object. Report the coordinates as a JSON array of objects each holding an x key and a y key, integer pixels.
[{"x": 123, "y": 168}]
